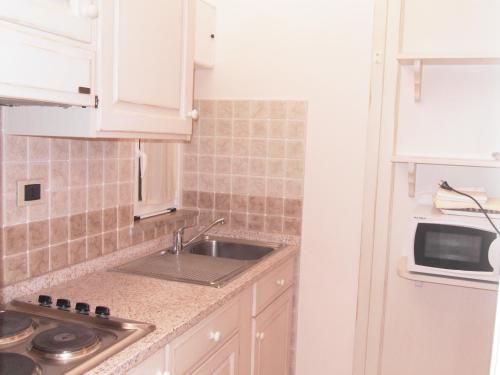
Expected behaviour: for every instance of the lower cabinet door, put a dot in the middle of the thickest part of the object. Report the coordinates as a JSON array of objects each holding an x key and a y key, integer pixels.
[
  {"x": 222, "y": 362},
  {"x": 272, "y": 337},
  {"x": 154, "y": 365}
]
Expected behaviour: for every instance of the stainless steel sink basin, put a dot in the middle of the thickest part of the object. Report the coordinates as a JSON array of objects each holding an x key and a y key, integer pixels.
[
  {"x": 210, "y": 261},
  {"x": 229, "y": 249}
]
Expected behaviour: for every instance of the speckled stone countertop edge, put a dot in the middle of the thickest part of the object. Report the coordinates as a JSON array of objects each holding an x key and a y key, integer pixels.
[
  {"x": 76, "y": 271},
  {"x": 141, "y": 350}
]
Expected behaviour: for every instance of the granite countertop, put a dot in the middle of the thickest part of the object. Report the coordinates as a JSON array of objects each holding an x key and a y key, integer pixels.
[{"x": 173, "y": 307}]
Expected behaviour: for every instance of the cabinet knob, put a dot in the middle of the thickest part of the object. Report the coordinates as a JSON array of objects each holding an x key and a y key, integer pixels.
[
  {"x": 91, "y": 11},
  {"x": 259, "y": 335},
  {"x": 214, "y": 336},
  {"x": 193, "y": 114},
  {"x": 84, "y": 8},
  {"x": 280, "y": 282}
]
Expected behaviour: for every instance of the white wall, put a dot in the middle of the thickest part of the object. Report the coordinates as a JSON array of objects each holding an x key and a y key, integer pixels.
[
  {"x": 318, "y": 51},
  {"x": 435, "y": 329},
  {"x": 439, "y": 329}
]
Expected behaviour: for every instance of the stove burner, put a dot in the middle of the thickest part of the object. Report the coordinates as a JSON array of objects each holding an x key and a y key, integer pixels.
[
  {"x": 14, "y": 326},
  {"x": 17, "y": 364},
  {"x": 65, "y": 342}
]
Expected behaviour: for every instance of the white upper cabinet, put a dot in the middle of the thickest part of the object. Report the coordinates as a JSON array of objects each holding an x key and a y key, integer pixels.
[
  {"x": 204, "y": 54},
  {"x": 47, "y": 52},
  {"x": 146, "y": 66},
  {"x": 66, "y": 18},
  {"x": 140, "y": 85}
]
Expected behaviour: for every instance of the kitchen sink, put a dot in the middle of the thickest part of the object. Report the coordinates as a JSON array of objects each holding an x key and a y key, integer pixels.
[
  {"x": 229, "y": 249},
  {"x": 212, "y": 261}
]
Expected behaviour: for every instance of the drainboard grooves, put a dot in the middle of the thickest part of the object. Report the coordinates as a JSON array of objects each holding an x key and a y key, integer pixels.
[{"x": 190, "y": 267}]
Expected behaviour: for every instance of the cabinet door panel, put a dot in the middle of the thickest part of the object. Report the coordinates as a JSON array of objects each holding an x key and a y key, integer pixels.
[
  {"x": 144, "y": 47},
  {"x": 146, "y": 65},
  {"x": 223, "y": 362},
  {"x": 154, "y": 365},
  {"x": 192, "y": 348},
  {"x": 272, "y": 336},
  {"x": 56, "y": 17},
  {"x": 204, "y": 54},
  {"x": 44, "y": 70}
]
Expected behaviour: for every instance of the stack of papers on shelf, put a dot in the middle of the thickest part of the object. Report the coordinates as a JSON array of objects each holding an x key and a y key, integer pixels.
[
  {"x": 450, "y": 196},
  {"x": 452, "y": 203}
]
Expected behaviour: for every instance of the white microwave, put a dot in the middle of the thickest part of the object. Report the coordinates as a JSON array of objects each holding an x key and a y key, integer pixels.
[{"x": 456, "y": 246}]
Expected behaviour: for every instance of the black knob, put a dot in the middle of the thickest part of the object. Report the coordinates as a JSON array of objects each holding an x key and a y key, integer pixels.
[
  {"x": 63, "y": 304},
  {"x": 102, "y": 311},
  {"x": 82, "y": 307},
  {"x": 44, "y": 300}
]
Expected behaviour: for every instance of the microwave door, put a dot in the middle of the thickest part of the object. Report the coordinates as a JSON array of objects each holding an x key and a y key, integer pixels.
[{"x": 453, "y": 247}]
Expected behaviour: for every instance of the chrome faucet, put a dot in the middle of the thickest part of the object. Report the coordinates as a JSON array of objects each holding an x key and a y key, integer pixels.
[{"x": 179, "y": 234}]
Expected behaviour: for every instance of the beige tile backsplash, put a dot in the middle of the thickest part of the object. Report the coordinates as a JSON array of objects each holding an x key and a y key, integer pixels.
[
  {"x": 88, "y": 207},
  {"x": 246, "y": 162},
  {"x": 87, "y": 203}
]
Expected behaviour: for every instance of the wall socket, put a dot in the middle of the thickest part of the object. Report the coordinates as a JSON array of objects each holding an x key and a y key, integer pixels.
[{"x": 30, "y": 192}]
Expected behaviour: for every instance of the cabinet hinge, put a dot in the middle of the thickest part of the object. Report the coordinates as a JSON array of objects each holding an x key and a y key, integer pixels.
[{"x": 96, "y": 104}]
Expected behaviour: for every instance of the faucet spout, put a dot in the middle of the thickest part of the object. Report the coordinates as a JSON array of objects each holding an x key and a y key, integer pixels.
[{"x": 179, "y": 233}]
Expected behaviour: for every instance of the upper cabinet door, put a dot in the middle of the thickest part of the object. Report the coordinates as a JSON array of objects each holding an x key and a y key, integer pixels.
[
  {"x": 146, "y": 66},
  {"x": 48, "y": 51},
  {"x": 66, "y": 18},
  {"x": 204, "y": 53}
]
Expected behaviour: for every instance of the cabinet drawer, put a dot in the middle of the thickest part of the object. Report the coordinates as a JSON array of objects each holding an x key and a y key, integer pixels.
[
  {"x": 224, "y": 361},
  {"x": 204, "y": 339},
  {"x": 272, "y": 285}
]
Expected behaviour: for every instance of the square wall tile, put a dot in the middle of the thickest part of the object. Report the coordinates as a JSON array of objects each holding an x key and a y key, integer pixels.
[{"x": 247, "y": 164}]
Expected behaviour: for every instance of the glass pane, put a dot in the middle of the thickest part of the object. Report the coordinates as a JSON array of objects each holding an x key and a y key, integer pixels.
[{"x": 453, "y": 246}]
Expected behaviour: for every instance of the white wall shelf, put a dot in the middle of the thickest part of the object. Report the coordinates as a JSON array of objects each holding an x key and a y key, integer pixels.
[
  {"x": 465, "y": 283},
  {"x": 447, "y": 59},
  {"x": 419, "y": 60},
  {"x": 413, "y": 161},
  {"x": 485, "y": 163}
]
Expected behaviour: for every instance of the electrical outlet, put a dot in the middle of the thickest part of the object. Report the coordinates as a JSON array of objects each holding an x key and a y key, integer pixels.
[{"x": 30, "y": 192}]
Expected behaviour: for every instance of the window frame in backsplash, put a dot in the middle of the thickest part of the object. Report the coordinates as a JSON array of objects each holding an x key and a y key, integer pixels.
[{"x": 176, "y": 203}]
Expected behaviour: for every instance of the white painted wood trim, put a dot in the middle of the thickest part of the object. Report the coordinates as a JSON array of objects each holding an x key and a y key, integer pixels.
[
  {"x": 370, "y": 191},
  {"x": 495, "y": 352},
  {"x": 379, "y": 175},
  {"x": 139, "y": 208}
]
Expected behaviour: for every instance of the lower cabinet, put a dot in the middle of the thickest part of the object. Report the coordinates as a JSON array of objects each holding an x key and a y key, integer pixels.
[
  {"x": 224, "y": 362},
  {"x": 250, "y": 335},
  {"x": 211, "y": 341},
  {"x": 154, "y": 365},
  {"x": 272, "y": 337}
]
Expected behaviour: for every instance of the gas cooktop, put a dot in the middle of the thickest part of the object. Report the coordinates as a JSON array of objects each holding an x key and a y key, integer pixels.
[{"x": 42, "y": 339}]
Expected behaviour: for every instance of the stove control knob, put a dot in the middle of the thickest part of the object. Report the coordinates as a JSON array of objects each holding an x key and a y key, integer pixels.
[
  {"x": 82, "y": 308},
  {"x": 63, "y": 304},
  {"x": 45, "y": 301},
  {"x": 102, "y": 311}
]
